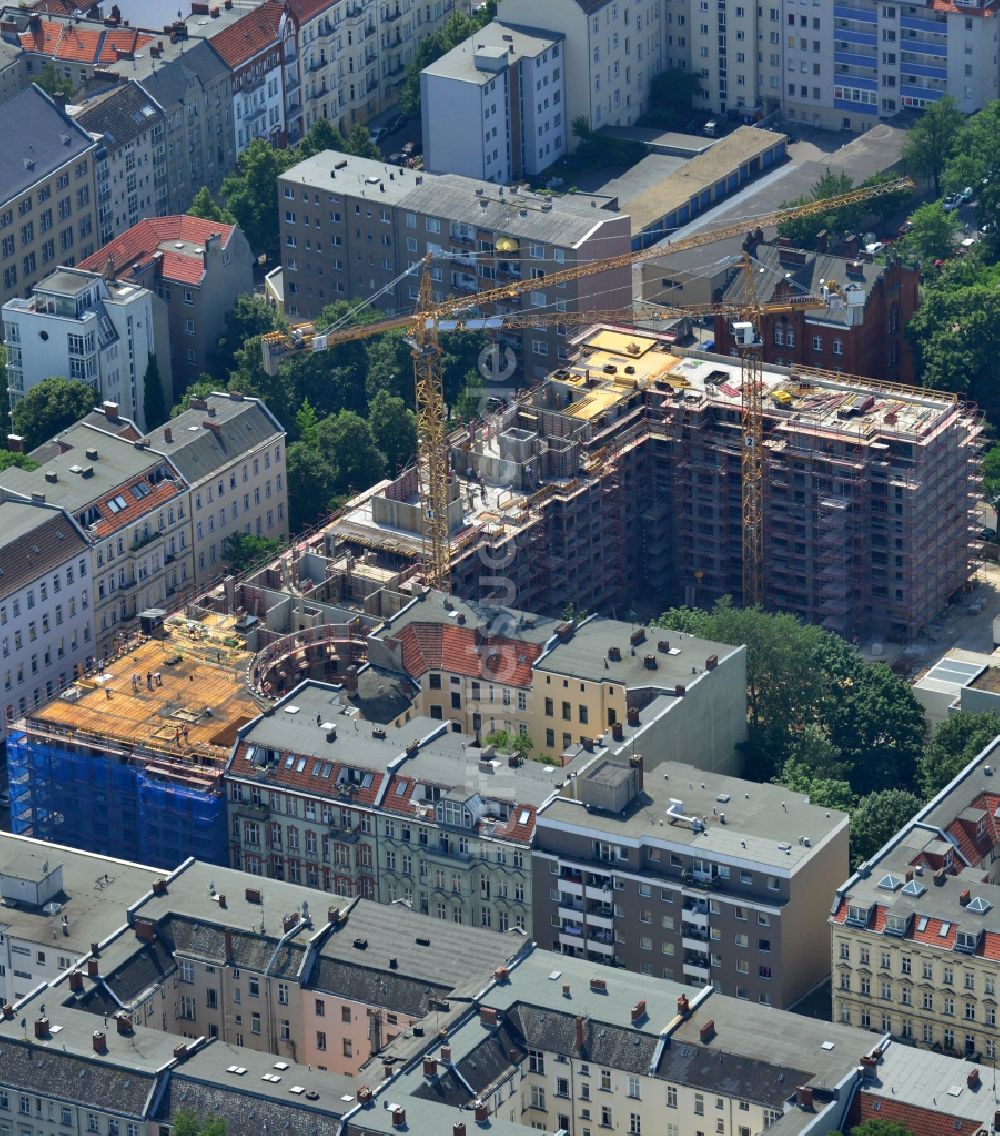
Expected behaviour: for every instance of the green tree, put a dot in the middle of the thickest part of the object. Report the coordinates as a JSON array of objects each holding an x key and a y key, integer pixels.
[
  {"x": 243, "y": 551},
  {"x": 49, "y": 407},
  {"x": 307, "y": 425},
  {"x": 312, "y": 485},
  {"x": 188, "y": 1124},
  {"x": 803, "y": 231},
  {"x": 933, "y": 234},
  {"x": 603, "y": 150},
  {"x": 359, "y": 143},
  {"x": 827, "y": 792},
  {"x": 975, "y": 161},
  {"x": 671, "y": 95},
  {"x": 251, "y": 195},
  {"x": 878, "y": 817},
  {"x": 9, "y": 459},
  {"x": 319, "y": 137},
  {"x": 249, "y": 317},
  {"x": 931, "y": 141},
  {"x": 507, "y": 742},
  {"x": 389, "y": 366},
  {"x": 991, "y": 473},
  {"x": 958, "y": 739},
  {"x": 202, "y": 387},
  {"x": 54, "y": 84},
  {"x": 394, "y": 428},
  {"x": 878, "y": 1127},
  {"x": 458, "y": 27},
  {"x": 154, "y": 403},
  {"x": 887, "y": 205},
  {"x": 205, "y": 206},
  {"x": 346, "y": 441}
]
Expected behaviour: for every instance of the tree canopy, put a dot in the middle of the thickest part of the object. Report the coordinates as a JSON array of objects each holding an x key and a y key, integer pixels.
[
  {"x": 55, "y": 84},
  {"x": 671, "y": 96},
  {"x": 933, "y": 234},
  {"x": 877, "y": 818},
  {"x": 243, "y": 551},
  {"x": 51, "y": 406},
  {"x": 958, "y": 739},
  {"x": 188, "y": 1124},
  {"x": 931, "y": 141},
  {"x": 204, "y": 205},
  {"x": 458, "y": 27}
]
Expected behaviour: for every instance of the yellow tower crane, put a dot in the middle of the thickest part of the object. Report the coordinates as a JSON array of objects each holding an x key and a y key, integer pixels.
[{"x": 424, "y": 324}]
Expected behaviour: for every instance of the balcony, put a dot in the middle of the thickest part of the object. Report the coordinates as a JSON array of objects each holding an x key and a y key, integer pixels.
[
  {"x": 571, "y": 886},
  {"x": 696, "y": 969},
  {"x": 697, "y": 917},
  {"x": 253, "y": 812},
  {"x": 693, "y": 942},
  {"x": 570, "y": 911}
]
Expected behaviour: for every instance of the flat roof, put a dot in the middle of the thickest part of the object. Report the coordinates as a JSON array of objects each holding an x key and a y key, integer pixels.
[
  {"x": 701, "y": 173},
  {"x": 763, "y": 823},
  {"x": 924, "y": 1079},
  {"x": 495, "y": 620},
  {"x": 190, "y": 716},
  {"x": 96, "y": 890},
  {"x": 512, "y": 42},
  {"x": 587, "y": 654}
]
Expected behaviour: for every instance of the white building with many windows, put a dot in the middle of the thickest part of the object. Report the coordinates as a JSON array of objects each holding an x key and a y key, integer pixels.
[
  {"x": 494, "y": 106},
  {"x": 79, "y": 325}
]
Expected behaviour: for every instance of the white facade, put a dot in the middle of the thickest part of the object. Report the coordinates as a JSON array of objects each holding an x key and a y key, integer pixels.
[
  {"x": 79, "y": 325},
  {"x": 45, "y": 621},
  {"x": 494, "y": 107},
  {"x": 611, "y": 54}
]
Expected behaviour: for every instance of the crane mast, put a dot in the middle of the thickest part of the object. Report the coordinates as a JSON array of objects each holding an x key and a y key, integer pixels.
[{"x": 752, "y": 439}]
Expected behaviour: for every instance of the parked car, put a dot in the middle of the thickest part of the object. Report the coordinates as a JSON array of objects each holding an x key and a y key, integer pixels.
[
  {"x": 396, "y": 159},
  {"x": 951, "y": 202},
  {"x": 397, "y": 123},
  {"x": 379, "y": 134},
  {"x": 411, "y": 149},
  {"x": 966, "y": 195}
]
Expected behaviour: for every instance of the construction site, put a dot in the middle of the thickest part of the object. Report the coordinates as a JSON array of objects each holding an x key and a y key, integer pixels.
[
  {"x": 128, "y": 760},
  {"x": 616, "y": 486}
]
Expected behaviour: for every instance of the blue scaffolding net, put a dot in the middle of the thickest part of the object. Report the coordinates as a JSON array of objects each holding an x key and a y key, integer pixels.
[{"x": 109, "y": 804}]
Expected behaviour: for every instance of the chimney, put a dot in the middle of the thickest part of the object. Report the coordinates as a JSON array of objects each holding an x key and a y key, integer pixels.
[
  {"x": 215, "y": 427},
  {"x": 488, "y": 1016},
  {"x": 804, "y": 1098},
  {"x": 458, "y": 1128},
  {"x": 965, "y": 897},
  {"x": 159, "y": 887},
  {"x": 399, "y": 1117},
  {"x": 253, "y": 895},
  {"x": 482, "y": 1112},
  {"x": 75, "y": 981},
  {"x": 430, "y": 1067},
  {"x": 501, "y": 974},
  {"x": 445, "y": 1054},
  {"x": 635, "y": 762},
  {"x": 15, "y": 443},
  {"x": 124, "y": 1024},
  {"x": 168, "y": 433},
  {"x": 638, "y": 1011},
  {"x": 221, "y": 900},
  {"x": 42, "y": 1028},
  {"x": 633, "y": 716},
  {"x": 617, "y": 731},
  {"x": 711, "y": 662},
  {"x": 197, "y": 403},
  {"x": 351, "y": 680},
  {"x": 566, "y": 990},
  {"x": 707, "y": 1031},
  {"x": 229, "y": 944},
  {"x": 110, "y": 411},
  {"x": 95, "y": 949},
  {"x": 599, "y": 985},
  {"x": 8, "y": 1012},
  {"x": 581, "y": 1040},
  {"x": 145, "y": 931},
  {"x": 972, "y": 1079},
  {"x": 289, "y": 922},
  {"x": 364, "y": 1095},
  {"x": 683, "y": 1006},
  {"x": 100, "y": 1042},
  {"x": 93, "y": 968},
  {"x": 180, "y": 1051}
]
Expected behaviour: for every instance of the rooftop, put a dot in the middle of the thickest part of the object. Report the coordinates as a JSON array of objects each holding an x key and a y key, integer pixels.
[
  {"x": 924, "y": 1079},
  {"x": 708, "y": 813},
  {"x": 189, "y": 718},
  {"x": 501, "y": 42},
  {"x": 564, "y": 221},
  {"x": 36, "y": 539},
  {"x": 121, "y": 115},
  {"x": 199, "y": 450},
  {"x": 89, "y": 907},
  {"x": 609, "y": 650},
  {"x": 84, "y": 42},
  {"x": 177, "y": 241},
  {"x": 250, "y": 35},
  {"x": 40, "y": 139}
]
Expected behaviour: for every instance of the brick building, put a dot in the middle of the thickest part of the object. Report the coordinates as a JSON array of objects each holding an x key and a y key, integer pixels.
[{"x": 862, "y": 336}]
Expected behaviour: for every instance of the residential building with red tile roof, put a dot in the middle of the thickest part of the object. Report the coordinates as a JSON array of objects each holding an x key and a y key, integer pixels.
[
  {"x": 915, "y": 932},
  {"x": 197, "y": 267}
]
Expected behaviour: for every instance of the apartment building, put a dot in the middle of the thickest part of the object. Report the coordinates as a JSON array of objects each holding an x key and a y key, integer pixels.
[
  {"x": 47, "y": 194},
  {"x": 59, "y": 901},
  {"x": 353, "y": 227},
  {"x": 689, "y": 876},
  {"x": 914, "y": 941},
  {"x": 259, "y": 50},
  {"x": 862, "y": 335},
  {"x": 494, "y": 106},
  {"x": 14, "y": 76},
  {"x": 130, "y": 165},
  {"x": 613, "y": 48},
  {"x": 85, "y": 327},
  {"x": 46, "y": 621},
  {"x": 486, "y": 668},
  {"x": 197, "y": 267},
  {"x": 132, "y": 506},
  {"x": 230, "y": 450}
]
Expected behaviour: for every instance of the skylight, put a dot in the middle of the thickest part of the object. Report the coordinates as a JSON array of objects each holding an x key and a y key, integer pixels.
[
  {"x": 912, "y": 887},
  {"x": 943, "y": 931},
  {"x": 890, "y": 882},
  {"x": 978, "y": 906}
]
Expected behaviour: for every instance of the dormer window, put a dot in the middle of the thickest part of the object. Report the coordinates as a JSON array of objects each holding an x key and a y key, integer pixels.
[
  {"x": 896, "y": 924},
  {"x": 858, "y": 916},
  {"x": 966, "y": 941}
]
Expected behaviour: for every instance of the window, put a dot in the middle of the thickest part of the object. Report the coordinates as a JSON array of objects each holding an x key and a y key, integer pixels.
[{"x": 537, "y": 1097}]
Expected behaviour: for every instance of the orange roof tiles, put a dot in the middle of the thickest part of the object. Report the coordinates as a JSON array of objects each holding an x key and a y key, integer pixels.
[
  {"x": 398, "y": 800},
  {"x": 145, "y": 238},
  {"x": 435, "y": 646},
  {"x": 111, "y": 522},
  {"x": 989, "y": 946},
  {"x": 321, "y": 788},
  {"x": 931, "y": 935},
  {"x": 304, "y": 10},
  {"x": 75, "y": 44},
  {"x": 249, "y": 36},
  {"x": 919, "y": 1121}
]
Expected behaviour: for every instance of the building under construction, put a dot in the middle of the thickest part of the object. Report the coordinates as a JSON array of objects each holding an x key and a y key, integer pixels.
[
  {"x": 616, "y": 486},
  {"x": 128, "y": 760}
]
